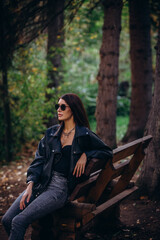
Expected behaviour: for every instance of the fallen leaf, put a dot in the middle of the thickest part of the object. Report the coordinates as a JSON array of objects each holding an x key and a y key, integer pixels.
[{"x": 144, "y": 197}]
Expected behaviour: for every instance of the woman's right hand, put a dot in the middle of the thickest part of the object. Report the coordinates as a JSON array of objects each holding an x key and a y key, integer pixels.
[{"x": 27, "y": 194}]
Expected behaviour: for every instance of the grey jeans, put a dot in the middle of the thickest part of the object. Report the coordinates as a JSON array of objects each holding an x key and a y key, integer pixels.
[{"x": 55, "y": 196}]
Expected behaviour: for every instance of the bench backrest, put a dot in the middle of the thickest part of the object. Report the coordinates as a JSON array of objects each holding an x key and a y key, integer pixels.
[{"x": 102, "y": 172}]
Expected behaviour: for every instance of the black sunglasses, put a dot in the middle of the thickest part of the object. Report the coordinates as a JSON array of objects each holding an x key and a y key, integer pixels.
[{"x": 62, "y": 107}]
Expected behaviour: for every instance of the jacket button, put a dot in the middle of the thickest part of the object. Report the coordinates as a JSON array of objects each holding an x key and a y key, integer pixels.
[
  {"x": 74, "y": 151},
  {"x": 86, "y": 132},
  {"x": 53, "y": 150}
]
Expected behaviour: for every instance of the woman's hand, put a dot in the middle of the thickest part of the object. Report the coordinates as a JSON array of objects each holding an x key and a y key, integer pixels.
[
  {"x": 80, "y": 165},
  {"x": 27, "y": 194}
]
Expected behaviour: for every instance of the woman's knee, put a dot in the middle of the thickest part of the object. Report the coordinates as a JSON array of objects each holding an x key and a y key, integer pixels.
[
  {"x": 6, "y": 220},
  {"x": 19, "y": 221}
]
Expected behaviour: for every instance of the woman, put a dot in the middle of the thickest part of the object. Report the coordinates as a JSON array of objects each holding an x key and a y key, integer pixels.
[{"x": 58, "y": 166}]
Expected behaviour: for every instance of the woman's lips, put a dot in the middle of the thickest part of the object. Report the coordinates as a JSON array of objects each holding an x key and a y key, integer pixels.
[{"x": 60, "y": 115}]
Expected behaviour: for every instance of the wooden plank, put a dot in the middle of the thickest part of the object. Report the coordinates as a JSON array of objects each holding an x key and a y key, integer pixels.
[
  {"x": 128, "y": 172},
  {"x": 106, "y": 175},
  {"x": 76, "y": 209},
  {"x": 129, "y": 148},
  {"x": 94, "y": 165},
  {"x": 108, "y": 204},
  {"x": 115, "y": 200},
  {"x": 103, "y": 179},
  {"x": 82, "y": 188}
]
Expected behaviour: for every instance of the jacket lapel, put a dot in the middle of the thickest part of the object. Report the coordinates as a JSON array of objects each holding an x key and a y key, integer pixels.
[{"x": 54, "y": 140}]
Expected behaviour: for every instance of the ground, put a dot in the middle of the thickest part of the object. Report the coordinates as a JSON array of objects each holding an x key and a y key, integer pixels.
[{"x": 139, "y": 217}]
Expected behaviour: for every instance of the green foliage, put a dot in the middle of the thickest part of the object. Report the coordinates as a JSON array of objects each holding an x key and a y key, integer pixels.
[
  {"x": 123, "y": 106},
  {"x": 27, "y": 81},
  {"x": 121, "y": 125},
  {"x": 124, "y": 60}
]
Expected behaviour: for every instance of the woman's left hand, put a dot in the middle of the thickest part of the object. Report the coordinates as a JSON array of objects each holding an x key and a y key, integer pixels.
[{"x": 80, "y": 165}]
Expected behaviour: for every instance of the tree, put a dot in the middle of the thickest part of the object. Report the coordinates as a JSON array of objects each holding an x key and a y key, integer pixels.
[
  {"x": 55, "y": 46},
  {"x": 141, "y": 68},
  {"x": 108, "y": 72},
  {"x": 149, "y": 180},
  {"x": 55, "y": 42},
  {"x": 21, "y": 21}
]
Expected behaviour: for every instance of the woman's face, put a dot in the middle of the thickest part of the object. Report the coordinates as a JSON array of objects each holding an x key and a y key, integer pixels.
[{"x": 66, "y": 114}]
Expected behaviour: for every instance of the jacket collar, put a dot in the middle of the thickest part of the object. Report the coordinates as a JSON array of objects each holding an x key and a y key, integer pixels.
[{"x": 79, "y": 131}]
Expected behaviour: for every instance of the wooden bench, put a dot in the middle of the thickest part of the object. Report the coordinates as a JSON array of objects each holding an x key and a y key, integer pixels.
[{"x": 98, "y": 197}]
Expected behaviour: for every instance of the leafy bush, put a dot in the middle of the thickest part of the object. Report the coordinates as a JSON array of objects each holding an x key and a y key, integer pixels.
[{"x": 27, "y": 84}]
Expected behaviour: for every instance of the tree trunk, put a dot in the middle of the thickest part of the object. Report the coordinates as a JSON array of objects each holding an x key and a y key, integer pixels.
[
  {"x": 149, "y": 179},
  {"x": 55, "y": 42},
  {"x": 55, "y": 49},
  {"x": 7, "y": 119},
  {"x": 108, "y": 72},
  {"x": 141, "y": 68}
]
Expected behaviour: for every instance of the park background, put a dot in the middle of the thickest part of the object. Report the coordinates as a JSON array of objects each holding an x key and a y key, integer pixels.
[{"x": 104, "y": 51}]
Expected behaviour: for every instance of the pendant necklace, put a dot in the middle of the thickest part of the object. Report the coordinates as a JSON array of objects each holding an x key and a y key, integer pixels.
[{"x": 67, "y": 134}]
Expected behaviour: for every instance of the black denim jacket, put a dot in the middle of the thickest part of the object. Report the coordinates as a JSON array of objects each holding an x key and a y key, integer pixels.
[{"x": 49, "y": 151}]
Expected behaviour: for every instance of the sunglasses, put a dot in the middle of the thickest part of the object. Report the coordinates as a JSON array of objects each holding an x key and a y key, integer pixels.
[{"x": 62, "y": 107}]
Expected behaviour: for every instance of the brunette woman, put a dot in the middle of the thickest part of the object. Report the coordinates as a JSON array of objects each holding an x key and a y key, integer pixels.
[{"x": 59, "y": 164}]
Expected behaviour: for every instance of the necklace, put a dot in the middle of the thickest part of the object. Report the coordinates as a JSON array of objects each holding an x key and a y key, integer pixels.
[{"x": 67, "y": 134}]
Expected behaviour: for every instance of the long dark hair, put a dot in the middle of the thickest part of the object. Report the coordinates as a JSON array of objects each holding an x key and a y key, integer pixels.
[{"x": 77, "y": 108}]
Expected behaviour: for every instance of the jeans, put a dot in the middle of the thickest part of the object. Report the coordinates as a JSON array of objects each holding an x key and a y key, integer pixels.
[{"x": 55, "y": 196}]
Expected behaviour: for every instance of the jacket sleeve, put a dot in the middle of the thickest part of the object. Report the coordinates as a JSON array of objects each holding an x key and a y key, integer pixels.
[
  {"x": 36, "y": 167},
  {"x": 97, "y": 148}
]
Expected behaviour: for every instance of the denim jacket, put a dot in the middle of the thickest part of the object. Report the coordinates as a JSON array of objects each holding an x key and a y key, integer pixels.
[{"x": 49, "y": 152}]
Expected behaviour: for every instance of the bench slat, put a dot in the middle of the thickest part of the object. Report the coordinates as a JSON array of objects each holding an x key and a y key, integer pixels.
[
  {"x": 108, "y": 204},
  {"x": 82, "y": 188},
  {"x": 129, "y": 148},
  {"x": 114, "y": 200},
  {"x": 129, "y": 171}
]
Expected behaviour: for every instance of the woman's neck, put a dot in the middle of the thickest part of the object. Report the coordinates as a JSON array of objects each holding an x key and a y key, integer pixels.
[{"x": 68, "y": 125}]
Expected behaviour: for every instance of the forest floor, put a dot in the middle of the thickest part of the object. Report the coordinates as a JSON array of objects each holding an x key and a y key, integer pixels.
[{"x": 139, "y": 217}]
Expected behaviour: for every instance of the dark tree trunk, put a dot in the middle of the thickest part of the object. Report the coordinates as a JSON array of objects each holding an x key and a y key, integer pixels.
[
  {"x": 55, "y": 42},
  {"x": 7, "y": 119},
  {"x": 150, "y": 176},
  {"x": 55, "y": 49},
  {"x": 141, "y": 68},
  {"x": 108, "y": 72}
]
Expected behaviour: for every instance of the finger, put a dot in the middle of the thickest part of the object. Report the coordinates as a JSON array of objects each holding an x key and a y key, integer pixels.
[
  {"x": 29, "y": 196},
  {"x": 24, "y": 205},
  {"x": 74, "y": 170},
  {"x": 23, "y": 201},
  {"x": 21, "y": 204},
  {"x": 78, "y": 169},
  {"x": 83, "y": 168}
]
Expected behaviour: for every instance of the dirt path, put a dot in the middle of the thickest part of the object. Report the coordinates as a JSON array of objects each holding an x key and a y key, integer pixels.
[{"x": 140, "y": 218}]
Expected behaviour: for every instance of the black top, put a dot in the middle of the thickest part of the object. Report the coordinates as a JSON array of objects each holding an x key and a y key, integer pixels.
[{"x": 62, "y": 166}]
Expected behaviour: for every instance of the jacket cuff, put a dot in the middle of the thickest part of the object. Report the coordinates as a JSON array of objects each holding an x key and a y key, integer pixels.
[
  {"x": 31, "y": 178},
  {"x": 29, "y": 182}
]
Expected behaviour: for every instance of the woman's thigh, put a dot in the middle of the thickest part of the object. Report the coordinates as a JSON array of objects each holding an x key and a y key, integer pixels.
[
  {"x": 14, "y": 210},
  {"x": 45, "y": 203}
]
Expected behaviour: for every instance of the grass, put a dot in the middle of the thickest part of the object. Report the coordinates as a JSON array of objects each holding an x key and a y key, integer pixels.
[{"x": 121, "y": 125}]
